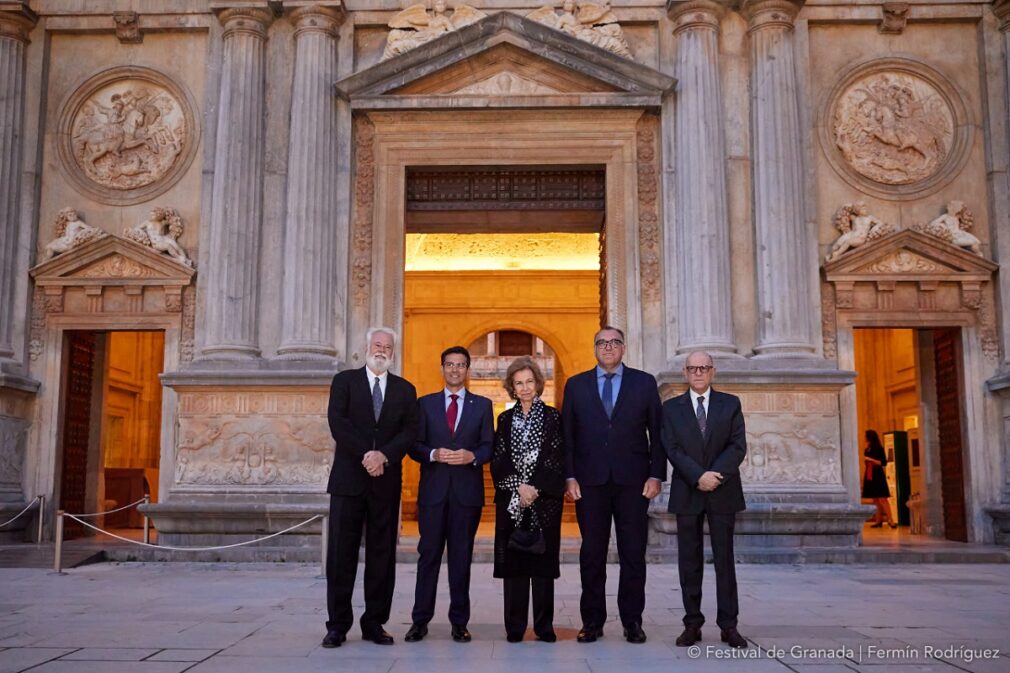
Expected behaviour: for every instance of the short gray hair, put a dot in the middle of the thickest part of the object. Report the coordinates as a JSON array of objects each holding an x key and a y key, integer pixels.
[{"x": 372, "y": 331}]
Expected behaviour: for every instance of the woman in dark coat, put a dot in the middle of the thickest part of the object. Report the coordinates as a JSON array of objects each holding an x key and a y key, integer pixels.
[
  {"x": 875, "y": 480},
  {"x": 528, "y": 471}
]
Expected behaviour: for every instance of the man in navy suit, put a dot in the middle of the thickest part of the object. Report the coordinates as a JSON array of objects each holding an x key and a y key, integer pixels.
[
  {"x": 615, "y": 465},
  {"x": 455, "y": 441},
  {"x": 705, "y": 438},
  {"x": 373, "y": 418}
]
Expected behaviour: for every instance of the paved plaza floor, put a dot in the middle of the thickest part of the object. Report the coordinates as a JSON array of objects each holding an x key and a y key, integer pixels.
[{"x": 250, "y": 618}]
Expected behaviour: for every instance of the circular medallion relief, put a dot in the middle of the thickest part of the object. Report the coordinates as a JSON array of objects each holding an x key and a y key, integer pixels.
[
  {"x": 127, "y": 135},
  {"x": 895, "y": 128}
]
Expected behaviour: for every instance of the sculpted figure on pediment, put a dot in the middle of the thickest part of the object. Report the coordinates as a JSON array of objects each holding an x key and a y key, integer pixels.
[
  {"x": 857, "y": 227},
  {"x": 414, "y": 26},
  {"x": 70, "y": 233},
  {"x": 161, "y": 231},
  {"x": 954, "y": 227},
  {"x": 894, "y": 128},
  {"x": 590, "y": 21}
]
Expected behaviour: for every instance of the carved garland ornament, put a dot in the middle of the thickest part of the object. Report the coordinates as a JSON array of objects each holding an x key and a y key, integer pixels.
[
  {"x": 895, "y": 128},
  {"x": 648, "y": 208},
  {"x": 364, "y": 204},
  {"x": 127, "y": 135}
]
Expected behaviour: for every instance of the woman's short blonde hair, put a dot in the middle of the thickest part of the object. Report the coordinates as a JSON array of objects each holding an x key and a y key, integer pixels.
[{"x": 517, "y": 366}]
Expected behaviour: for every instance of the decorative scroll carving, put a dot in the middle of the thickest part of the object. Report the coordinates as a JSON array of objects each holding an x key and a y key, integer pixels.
[
  {"x": 987, "y": 324},
  {"x": 161, "y": 231},
  {"x": 507, "y": 84},
  {"x": 127, "y": 135},
  {"x": 128, "y": 27},
  {"x": 364, "y": 205},
  {"x": 116, "y": 266},
  {"x": 894, "y": 128},
  {"x": 954, "y": 227},
  {"x": 186, "y": 343},
  {"x": 829, "y": 322},
  {"x": 648, "y": 209},
  {"x": 894, "y": 19},
  {"x": 857, "y": 227},
  {"x": 414, "y": 26},
  {"x": 592, "y": 22},
  {"x": 38, "y": 324},
  {"x": 71, "y": 232},
  {"x": 902, "y": 261}
]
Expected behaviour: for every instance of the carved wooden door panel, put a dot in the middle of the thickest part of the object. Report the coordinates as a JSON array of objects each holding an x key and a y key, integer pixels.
[
  {"x": 948, "y": 395},
  {"x": 80, "y": 354}
]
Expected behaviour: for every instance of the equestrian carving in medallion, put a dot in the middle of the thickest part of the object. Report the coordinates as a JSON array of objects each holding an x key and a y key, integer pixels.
[
  {"x": 414, "y": 26},
  {"x": 592, "y": 22}
]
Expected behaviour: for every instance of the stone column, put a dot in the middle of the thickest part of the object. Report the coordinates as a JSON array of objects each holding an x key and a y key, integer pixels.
[
  {"x": 237, "y": 199},
  {"x": 14, "y": 29},
  {"x": 702, "y": 220},
  {"x": 785, "y": 296},
  {"x": 310, "y": 227}
]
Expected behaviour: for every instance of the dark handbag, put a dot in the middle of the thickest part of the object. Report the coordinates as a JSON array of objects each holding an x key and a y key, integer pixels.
[{"x": 526, "y": 540}]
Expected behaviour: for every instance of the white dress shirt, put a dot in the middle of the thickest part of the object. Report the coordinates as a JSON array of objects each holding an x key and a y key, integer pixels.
[
  {"x": 694, "y": 400},
  {"x": 372, "y": 376},
  {"x": 459, "y": 412}
]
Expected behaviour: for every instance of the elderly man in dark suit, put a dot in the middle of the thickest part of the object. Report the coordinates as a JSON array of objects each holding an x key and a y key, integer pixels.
[
  {"x": 615, "y": 465},
  {"x": 455, "y": 441},
  {"x": 373, "y": 418},
  {"x": 704, "y": 436}
]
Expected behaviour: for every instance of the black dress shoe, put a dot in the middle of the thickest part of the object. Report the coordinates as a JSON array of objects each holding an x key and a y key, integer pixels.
[
  {"x": 589, "y": 634},
  {"x": 733, "y": 638},
  {"x": 634, "y": 633},
  {"x": 379, "y": 637},
  {"x": 333, "y": 639},
  {"x": 514, "y": 637},
  {"x": 460, "y": 634},
  {"x": 690, "y": 636},
  {"x": 548, "y": 637},
  {"x": 416, "y": 632}
]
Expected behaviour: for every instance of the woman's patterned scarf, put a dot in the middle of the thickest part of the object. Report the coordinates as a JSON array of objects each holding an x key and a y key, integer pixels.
[{"x": 527, "y": 438}]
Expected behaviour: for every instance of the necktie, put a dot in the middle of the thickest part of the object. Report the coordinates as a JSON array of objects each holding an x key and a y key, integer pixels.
[
  {"x": 608, "y": 394},
  {"x": 702, "y": 419},
  {"x": 377, "y": 399},
  {"x": 452, "y": 412}
]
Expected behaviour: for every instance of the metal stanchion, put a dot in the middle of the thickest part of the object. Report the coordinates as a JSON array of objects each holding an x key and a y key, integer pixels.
[
  {"x": 58, "y": 551},
  {"x": 147, "y": 522},
  {"x": 42, "y": 513},
  {"x": 324, "y": 537}
]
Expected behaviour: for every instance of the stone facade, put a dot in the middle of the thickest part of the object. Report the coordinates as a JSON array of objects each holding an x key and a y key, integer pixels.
[{"x": 777, "y": 175}]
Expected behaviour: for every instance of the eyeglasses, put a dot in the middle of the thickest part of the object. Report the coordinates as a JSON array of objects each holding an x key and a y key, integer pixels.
[
  {"x": 609, "y": 343},
  {"x": 699, "y": 369},
  {"x": 455, "y": 365}
]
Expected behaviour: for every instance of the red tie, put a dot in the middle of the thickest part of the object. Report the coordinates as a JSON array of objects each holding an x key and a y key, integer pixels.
[{"x": 450, "y": 413}]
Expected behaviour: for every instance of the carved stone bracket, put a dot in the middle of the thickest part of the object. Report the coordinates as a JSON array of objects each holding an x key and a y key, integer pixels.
[
  {"x": 895, "y": 17},
  {"x": 128, "y": 27}
]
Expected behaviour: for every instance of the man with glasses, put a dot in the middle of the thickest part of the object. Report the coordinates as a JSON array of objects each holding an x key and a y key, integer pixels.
[
  {"x": 615, "y": 465},
  {"x": 704, "y": 437},
  {"x": 455, "y": 440}
]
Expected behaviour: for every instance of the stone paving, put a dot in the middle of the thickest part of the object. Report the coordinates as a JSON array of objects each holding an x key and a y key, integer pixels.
[{"x": 251, "y": 618}]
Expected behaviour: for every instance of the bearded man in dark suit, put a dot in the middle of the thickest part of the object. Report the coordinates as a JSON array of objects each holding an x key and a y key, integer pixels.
[{"x": 373, "y": 418}]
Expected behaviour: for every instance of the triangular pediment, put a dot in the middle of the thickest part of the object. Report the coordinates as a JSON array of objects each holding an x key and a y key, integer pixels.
[
  {"x": 505, "y": 60},
  {"x": 108, "y": 260},
  {"x": 910, "y": 255}
]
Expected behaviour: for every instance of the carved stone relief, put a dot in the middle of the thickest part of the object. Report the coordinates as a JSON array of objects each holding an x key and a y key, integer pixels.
[
  {"x": 127, "y": 135},
  {"x": 857, "y": 227},
  {"x": 364, "y": 205},
  {"x": 895, "y": 128},
  {"x": 13, "y": 435},
  {"x": 128, "y": 27},
  {"x": 895, "y": 17},
  {"x": 648, "y": 208},
  {"x": 954, "y": 226},
  {"x": 414, "y": 26},
  {"x": 188, "y": 340},
  {"x": 70, "y": 232},
  {"x": 591, "y": 22},
  {"x": 792, "y": 438},
  {"x": 507, "y": 84},
  {"x": 253, "y": 439},
  {"x": 829, "y": 321},
  {"x": 161, "y": 231}
]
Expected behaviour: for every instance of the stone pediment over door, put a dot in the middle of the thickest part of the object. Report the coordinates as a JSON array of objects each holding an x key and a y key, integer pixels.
[
  {"x": 505, "y": 60},
  {"x": 914, "y": 279}
]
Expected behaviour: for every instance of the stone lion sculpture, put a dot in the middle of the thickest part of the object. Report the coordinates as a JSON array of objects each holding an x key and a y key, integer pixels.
[
  {"x": 71, "y": 232},
  {"x": 954, "y": 227},
  {"x": 161, "y": 231},
  {"x": 857, "y": 227}
]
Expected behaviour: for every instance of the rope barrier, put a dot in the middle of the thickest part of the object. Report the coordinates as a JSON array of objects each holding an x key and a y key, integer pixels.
[
  {"x": 19, "y": 514},
  {"x": 227, "y": 546},
  {"x": 111, "y": 511}
]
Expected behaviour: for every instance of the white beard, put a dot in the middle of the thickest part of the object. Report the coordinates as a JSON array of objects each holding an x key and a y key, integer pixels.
[{"x": 378, "y": 363}]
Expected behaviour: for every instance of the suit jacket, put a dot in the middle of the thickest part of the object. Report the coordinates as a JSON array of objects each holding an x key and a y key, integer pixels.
[
  {"x": 721, "y": 450},
  {"x": 625, "y": 447},
  {"x": 474, "y": 431},
  {"x": 353, "y": 425}
]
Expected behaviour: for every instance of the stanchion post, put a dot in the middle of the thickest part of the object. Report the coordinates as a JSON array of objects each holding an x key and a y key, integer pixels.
[
  {"x": 58, "y": 551},
  {"x": 147, "y": 522},
  {"x": 324, "y": 538},
  {"x": 42, "y": 513}
]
